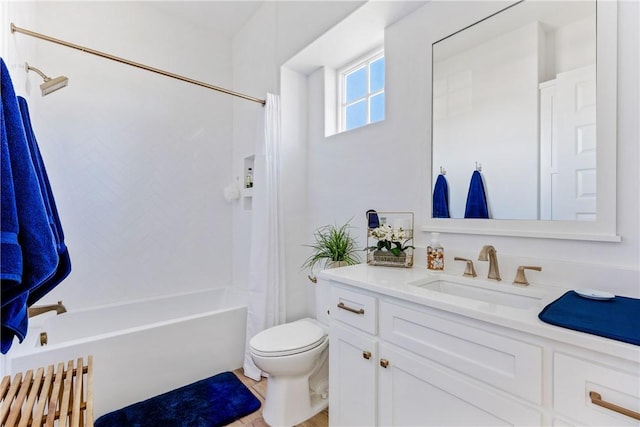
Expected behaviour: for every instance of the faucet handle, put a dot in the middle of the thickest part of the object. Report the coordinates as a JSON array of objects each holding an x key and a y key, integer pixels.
[
  {"x": 469, "y": 270},
  {"x": 521, "y": 279}
]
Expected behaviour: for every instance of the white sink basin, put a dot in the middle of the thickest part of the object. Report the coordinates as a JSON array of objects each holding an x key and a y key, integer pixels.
[{"x": 499, "y": 293}]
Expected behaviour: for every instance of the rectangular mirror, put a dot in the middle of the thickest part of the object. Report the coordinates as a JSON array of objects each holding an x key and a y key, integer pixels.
[{"x": 527, "y": 96}]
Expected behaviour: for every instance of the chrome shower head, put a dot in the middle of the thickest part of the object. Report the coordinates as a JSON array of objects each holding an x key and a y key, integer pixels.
[{"x": 49, "y": 85}]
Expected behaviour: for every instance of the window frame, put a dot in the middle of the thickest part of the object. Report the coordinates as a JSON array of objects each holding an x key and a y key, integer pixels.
[{"x": 363, "y": 61}]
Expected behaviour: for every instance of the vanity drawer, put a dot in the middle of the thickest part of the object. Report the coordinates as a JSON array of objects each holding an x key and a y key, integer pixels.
[
  {"x": 573, "y": 380},
  {"x": 354, "y": 309},
  {"x": 498, "y": 360}
]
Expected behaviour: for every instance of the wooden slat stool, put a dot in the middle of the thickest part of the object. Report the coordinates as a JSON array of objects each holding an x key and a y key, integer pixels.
[{"x": 61, "y": 398}]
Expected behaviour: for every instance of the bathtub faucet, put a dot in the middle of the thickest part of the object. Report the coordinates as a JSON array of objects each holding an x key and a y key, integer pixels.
[{"x": 39, "y": 309}]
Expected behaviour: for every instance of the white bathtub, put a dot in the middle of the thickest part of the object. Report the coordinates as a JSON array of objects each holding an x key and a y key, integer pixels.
[{"x": 143, "y": 348}]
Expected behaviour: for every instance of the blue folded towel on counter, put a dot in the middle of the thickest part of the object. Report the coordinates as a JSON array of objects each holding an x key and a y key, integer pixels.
[
  {"x": 617, "y": 318},
  {"x": 29, "y": 246},
  {"x": 441, "y": 198},
  {"x": 476, "y": 199}
]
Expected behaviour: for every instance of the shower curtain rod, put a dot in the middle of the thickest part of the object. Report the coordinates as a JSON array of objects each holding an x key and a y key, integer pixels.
[{"x": 17, "y": 29}]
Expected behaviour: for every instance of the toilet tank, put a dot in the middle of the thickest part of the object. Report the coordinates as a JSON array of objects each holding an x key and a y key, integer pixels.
[{"x": 322, "y": 301}]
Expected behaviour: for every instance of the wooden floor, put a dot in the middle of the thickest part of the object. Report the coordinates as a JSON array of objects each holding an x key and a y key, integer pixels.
[{"x": 259, "y": 389}]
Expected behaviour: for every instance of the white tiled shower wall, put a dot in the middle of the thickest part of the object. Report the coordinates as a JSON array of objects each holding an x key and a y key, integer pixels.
[{"x": 137, "y": 161}]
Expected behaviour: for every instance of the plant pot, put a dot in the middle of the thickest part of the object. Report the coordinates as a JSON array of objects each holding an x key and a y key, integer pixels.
[
  {"x": 388, "y": 259},
  {"x": 336, "y": 264},
  {"x": 386, "y": 256}
]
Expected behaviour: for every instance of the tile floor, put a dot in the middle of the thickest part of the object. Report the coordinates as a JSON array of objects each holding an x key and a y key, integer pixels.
[{"x": 259, "y": 389}]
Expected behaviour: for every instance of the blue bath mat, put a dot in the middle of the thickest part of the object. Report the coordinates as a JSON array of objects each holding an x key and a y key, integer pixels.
[{"x": 214, "y": 401}]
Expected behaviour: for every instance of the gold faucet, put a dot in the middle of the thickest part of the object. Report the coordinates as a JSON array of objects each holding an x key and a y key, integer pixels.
[
  {"x": 521, "y": 279},
  {"x": 39, "y": 309},
  {"x": 488, "y": 253},
  {"x": 468, "y": 270}
]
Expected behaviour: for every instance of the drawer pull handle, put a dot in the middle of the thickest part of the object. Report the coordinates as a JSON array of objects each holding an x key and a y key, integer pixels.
[
  {"x": 351, "y": 309},
  {"x": 384, "y": 363},
  {"x": 366, "y": 355},
  {"x": 596, "y": 399}
]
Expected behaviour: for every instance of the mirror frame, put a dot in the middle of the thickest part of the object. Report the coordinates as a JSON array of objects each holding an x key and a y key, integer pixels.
[{"x": 604, "y": 227}]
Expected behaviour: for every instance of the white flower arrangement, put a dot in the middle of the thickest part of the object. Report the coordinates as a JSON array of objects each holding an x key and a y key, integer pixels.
[{"x": 391, "y": 239}]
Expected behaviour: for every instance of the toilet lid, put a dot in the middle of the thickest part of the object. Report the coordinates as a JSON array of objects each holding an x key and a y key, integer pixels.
[{"x": 288, "y": 338}]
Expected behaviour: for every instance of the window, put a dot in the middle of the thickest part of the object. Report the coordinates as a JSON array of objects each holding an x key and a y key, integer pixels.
[{"x": 362, "y": 92}]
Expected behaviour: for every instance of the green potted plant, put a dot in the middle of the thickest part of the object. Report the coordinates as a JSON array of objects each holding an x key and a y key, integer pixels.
[{"x": 333, "y": 247}]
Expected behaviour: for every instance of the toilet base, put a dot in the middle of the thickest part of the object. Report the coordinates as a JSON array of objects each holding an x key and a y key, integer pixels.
[{"x": 289, "y": 401}]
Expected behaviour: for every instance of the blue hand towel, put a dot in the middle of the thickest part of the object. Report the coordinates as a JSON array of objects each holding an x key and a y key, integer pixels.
[
  {"x": 617, "y": 318},
  {"x": 372, "y": 218},
  {"x": 29, "y": 253},
  {"x": 476, "y": 199},
  {"x": 441, "y": 198},
  {"x": 64, "y": 264}
]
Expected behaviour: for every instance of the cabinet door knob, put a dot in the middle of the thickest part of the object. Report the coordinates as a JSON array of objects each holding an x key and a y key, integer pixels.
[
  {"x": 351, "y": 309},
  {"x": 596, "y": 399},
  {"x": 366, "y": 355},
  {"x": 384, "y": 363}
]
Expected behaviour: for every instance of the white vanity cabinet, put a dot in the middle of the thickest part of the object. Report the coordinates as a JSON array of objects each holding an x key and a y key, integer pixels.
[
  {"x": 353, "y": 377},
  {"x": 441, "y": 370},
  {"x": 397, "y": 361},
  {"x": 379, "y": 375},
  {"x": 353, "y": 358},
  {"x": 576, "y": 376},
  {"x": 415, "y": 391}
]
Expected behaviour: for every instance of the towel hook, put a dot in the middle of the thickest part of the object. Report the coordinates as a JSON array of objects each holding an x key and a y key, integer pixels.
[
  {"x": 443, "y": 171},
  {"x": 479, "y": 167}
]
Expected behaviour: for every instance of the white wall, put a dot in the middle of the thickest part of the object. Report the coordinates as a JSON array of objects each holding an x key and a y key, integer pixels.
[
  {"x": 347, "y": 173},
  {"x": 275, "y": 33},
  {"x": 571, "y": 47},
  {"x": 137, "y": 161}
]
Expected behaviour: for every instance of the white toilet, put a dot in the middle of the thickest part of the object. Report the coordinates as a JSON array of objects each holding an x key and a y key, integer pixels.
[{"x": 296, "y": 357}]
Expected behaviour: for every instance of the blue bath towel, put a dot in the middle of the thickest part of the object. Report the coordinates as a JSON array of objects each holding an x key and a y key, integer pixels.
[
  {"x": 441, "y": 198},
  {"x": 617, "y": 318},
  {"x": 64, "y": 263},
  {"x": 29, "y": 254},
  {"x": 476, "y": 199}
]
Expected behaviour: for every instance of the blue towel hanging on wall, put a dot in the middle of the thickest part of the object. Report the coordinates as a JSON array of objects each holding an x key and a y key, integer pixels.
[
  {"x": 441, "y": 198},
  {"x": 31, "y": 241},
  {"x": 373, "y": 219},
  {"x": 476, "y": 199}
]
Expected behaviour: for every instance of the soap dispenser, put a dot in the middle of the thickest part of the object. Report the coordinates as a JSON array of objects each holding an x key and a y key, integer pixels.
[{"x": 435, "y": 254}]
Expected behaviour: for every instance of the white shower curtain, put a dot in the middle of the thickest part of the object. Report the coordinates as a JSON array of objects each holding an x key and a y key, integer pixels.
[{"x": 266, "y": 306}]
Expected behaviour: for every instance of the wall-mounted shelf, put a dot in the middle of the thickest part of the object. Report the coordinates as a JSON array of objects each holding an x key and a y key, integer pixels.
[{"x": 247, "y": 182}]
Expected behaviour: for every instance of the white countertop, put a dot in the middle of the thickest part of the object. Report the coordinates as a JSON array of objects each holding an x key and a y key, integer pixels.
[{"x": 397, "y": 283}]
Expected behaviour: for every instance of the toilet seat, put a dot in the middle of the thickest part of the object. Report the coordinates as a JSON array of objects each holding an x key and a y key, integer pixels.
[{"x": 287, "y": 339}]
